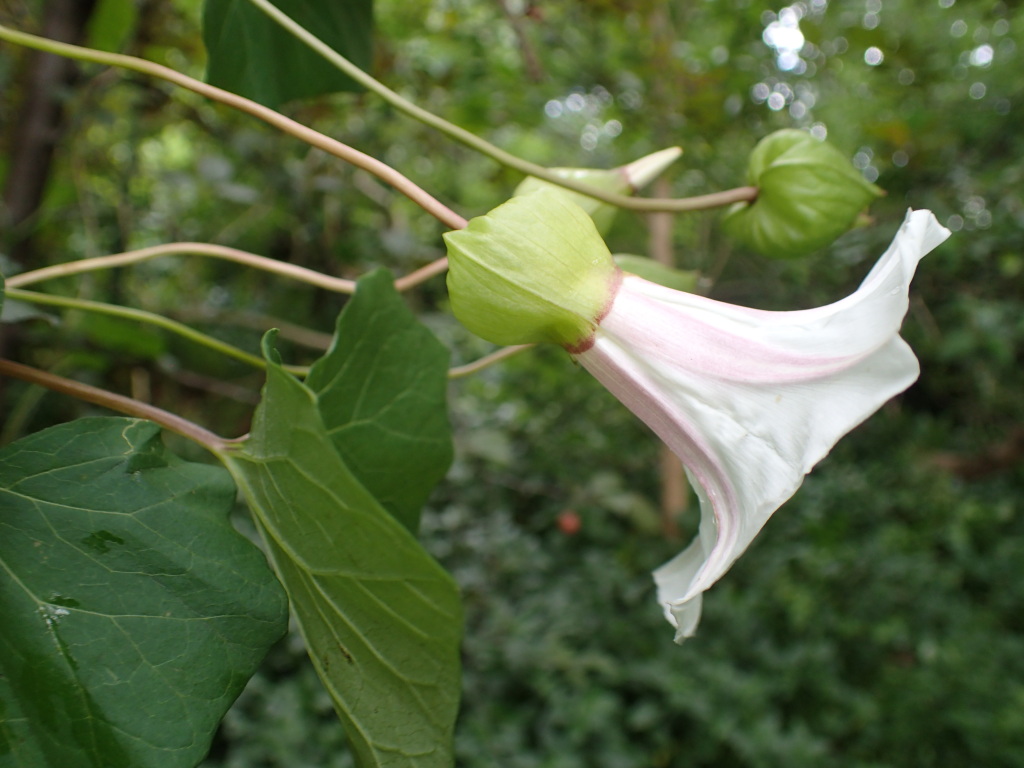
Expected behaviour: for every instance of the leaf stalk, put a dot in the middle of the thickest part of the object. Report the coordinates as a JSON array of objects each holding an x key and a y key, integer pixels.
[{"x": 119, "y": 403}]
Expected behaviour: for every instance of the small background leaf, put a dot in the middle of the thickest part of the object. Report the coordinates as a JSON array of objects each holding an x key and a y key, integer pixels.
[
  {"x": 126, "y": 338},
  {"x": 381, "y": 394},
  {"x": 251, "y": 55},
  {"x": 649, "y": 269},
  {"x": 18, "y": 311},
  {"x": 133, "y": 613},
  {"x": 381, "y": 619},
  {"x": 111, "y": 24}
]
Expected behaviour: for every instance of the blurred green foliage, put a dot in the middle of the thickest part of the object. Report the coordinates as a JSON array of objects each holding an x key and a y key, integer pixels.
[{"x": 877, "y": 619}]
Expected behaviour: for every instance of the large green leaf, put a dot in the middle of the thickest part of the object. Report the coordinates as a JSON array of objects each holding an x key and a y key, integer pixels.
[
  {"x": 251, "y": 55},
  {"x": 131, "y": 612},
  {"x": 381, "y": 393},
  {"x": 381, "y": 619}
]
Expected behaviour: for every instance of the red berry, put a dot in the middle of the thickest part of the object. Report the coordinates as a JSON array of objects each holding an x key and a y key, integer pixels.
[{"x": 569, "y": 522}]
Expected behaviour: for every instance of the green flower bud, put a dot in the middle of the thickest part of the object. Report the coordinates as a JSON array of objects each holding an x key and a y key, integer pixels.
[
  {"x": 624, "y": 180},
  {"x": 532, "y": 270},
  {"x": 808, "y": 195}
]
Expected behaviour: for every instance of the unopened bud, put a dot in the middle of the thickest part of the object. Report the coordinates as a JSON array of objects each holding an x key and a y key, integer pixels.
[
  {"x": 624, "y": 180},
  {"x": 808, "y": 194}
]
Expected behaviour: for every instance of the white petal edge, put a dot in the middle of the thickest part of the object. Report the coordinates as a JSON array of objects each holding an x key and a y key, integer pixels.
[{"x": 751, "y": 400}]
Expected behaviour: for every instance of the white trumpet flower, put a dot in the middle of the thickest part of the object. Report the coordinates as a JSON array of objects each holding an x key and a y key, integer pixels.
[{"x": 749, "y": 400}]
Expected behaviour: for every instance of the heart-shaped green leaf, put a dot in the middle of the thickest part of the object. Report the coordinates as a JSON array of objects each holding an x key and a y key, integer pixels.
[
  {"x": 131, "y": 612},
  {"x": 381, "y": 392},
  {"x": 381, "y": 619}
]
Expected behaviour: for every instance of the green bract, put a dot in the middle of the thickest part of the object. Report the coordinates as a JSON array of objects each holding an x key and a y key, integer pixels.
[
  {"x": 532, "y": 270},
  {"x": 809, "y": 194}
]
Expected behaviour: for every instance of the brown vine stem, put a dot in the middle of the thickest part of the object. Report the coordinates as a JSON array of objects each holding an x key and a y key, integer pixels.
[
  {"x": 337, "y": 284},
  {"x": 334, "y": 147},
  {"x": 114, "y": 402}
]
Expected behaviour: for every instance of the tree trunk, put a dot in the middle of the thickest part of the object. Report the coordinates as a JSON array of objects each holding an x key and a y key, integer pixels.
[{"x": 45, "y": 79}]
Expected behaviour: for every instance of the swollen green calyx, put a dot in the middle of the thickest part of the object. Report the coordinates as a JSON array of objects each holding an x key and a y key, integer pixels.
[{"x": 532, "y": 270}]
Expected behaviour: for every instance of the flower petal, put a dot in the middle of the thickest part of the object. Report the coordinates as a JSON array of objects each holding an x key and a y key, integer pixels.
[{"x": 752, "y": 400}]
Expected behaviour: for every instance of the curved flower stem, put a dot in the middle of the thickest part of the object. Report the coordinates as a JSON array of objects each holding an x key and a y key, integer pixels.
[
  {"x": 478, "y": 365},
  {"x": 474, "y": 142},
  {"x": 114, "y": 402},
  {"x": 314, "y": 138},
  {"x": 337, "y": 284},
  {"x": 150, "y": 318}
]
